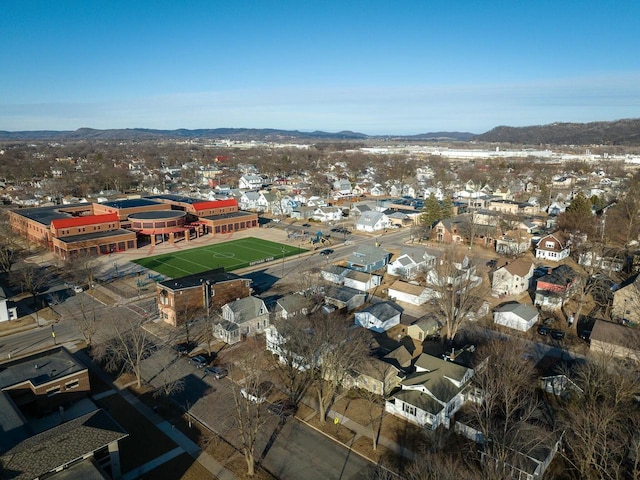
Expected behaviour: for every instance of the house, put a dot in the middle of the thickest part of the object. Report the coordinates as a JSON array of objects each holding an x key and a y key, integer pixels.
[
  {"x": 6, "y": 312},
  {"x": 327, "y": 214},
  {"x": 368, "y": 258},
  {"x": 48, "y": 422},
  {"x": 610, "y": 261},
  {"x": 424, "y": 327},
  {"x": 450, "y": 230},
  {"x": 357, "y": 210},
  {"x": 377, "y": 191},
  {"x": 411, "y": 293},
  {"x": 553, "y": 247},
  {"x": 291, "y": 305},
  {"x": 182, "y": 299},
  {"x": 626, "y": 301},
  {"x": 361, "y": 281},
  {"x": 433, "y": 394},
  {"x": 612, "y": 339},
  {"x": 334, "y": 274},
  {"x": 516, "y": 315},
  {"x": 555, "y": 376},
  {"x": 374, "y": 375},
  {"x": 554, "y": 288},
  {"x": 344, "y": 297},
  {"x": 250, "y": 182},
  {"x": 342, "y": 187},
  {"x": 372, "y": 222},
  {"x": 412, "y": 262},
  {"x": 514, "y": 242},
  {"x": 379, "y": 317},
  {"x": 249, "y": 201},
  {"x": 513, "y": 278},
  {"x": 240, "y": 319}
]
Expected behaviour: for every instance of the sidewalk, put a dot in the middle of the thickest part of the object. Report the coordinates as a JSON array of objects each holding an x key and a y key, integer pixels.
[
  {"x": 360, "y": 431},
  {"x": 184, "y": 443}
]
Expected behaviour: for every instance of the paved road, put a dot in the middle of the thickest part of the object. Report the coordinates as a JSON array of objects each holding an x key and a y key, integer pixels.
[{"x": 297, "y": 451}]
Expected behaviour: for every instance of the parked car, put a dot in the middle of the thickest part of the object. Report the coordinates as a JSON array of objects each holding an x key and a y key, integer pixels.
[
  {"x": 544, "y": 330},
  {"x": 283, "y": 409},
  {"x": 199, "y": 361},
  {"x": 557, "y": 334},
  {"x": 492, "y": 263},
  {"x": 306, "y": 224},
  {"x": 258, "y": 394},
  {"x": 216, "y": 372},
  {"x": 326, "y": 251},
  {"x": 184, "y": 348}
]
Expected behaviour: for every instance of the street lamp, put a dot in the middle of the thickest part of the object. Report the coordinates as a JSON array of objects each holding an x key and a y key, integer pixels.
[
  {"x": 283, "y": 250},
  {"x": 53, "y": 335}
]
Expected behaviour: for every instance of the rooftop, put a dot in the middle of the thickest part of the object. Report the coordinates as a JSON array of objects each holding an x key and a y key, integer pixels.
[{"x": 212, "y": 276}]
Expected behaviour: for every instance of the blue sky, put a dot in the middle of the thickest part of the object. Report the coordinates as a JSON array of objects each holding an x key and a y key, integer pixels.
[{"x": 377, "y": 67}]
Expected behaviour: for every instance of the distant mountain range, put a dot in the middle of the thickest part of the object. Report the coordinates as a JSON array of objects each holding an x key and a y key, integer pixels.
[
  {"x": 619, "y": 132},
  {"x": 240, "y": 134}
]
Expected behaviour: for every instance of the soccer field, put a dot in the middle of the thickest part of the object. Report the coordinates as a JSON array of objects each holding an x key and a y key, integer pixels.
[{"x": 231, "y": 255}]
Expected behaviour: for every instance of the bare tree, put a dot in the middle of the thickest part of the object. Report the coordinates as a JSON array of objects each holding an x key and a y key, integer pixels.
[
  {"x": 32, "y": 278},
  {"x": 458, "y": 293},
  {"x": 295, "y": 358},
  {"x": 10, "y": 247},
  {"x": 82, "y": 267},
  {"x": 128, "y": 346},
  {"x": 86, "y": 318},
  {"x": 247, "y": 405},
  {"x": 507, "y": 412},
  {"x": 597, "y": 420},
  {"x": 338, "y": 346}
]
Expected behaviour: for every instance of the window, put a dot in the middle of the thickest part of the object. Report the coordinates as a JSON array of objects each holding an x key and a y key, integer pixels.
[
  {"x": 548, "y": 244},
  {"x": 53, "y": 391},
  {"x": 71, "y": 385},
  {"x": 410, "y": 409}
]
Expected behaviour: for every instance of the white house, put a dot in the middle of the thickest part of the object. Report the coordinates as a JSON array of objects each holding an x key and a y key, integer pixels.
[
  {"x": 249, "y": 201},
  {"x": 553, "y": 247},
  {"x": 334, "y": 274},
  {"x": 377, "y": 191},
  {"x": 516, "y": 315},
  {"x": 372, "y": 222},
  {"x": 250, "y": 182},
  {"x": 513, "y": 278},
  {"x": 410, "y": 264},
  {"x": 361, "y": 281},
  {"x": 433, "y": 394},
  {"x": 6, "y": 312},
  {"x": 327, "y": 214},
  {"x": 406, "y": 292},
  {"x": 379, "y": 317}
]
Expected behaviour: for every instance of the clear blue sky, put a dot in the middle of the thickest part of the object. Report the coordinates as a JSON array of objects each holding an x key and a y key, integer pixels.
[{"x": 397, "y": 67}]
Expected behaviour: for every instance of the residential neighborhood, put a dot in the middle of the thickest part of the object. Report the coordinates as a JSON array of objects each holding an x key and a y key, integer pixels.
[{"x": 235, "y": 293}]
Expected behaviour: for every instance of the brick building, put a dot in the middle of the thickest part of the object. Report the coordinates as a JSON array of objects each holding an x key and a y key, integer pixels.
[{"x": 182, "y": 299}]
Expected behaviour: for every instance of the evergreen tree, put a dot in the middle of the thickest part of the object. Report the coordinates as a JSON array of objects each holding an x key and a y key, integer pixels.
[
  {"x": 431, "y": 212},
  {"x": 446, "y": 209},
  {"x": 578, "y": 216}
]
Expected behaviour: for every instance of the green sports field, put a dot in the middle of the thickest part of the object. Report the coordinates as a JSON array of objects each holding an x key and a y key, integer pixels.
[{"x": 231, "y": 255}]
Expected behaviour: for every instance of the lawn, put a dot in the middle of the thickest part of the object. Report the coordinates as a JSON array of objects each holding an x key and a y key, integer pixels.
[{"x": 231, "y": 255}]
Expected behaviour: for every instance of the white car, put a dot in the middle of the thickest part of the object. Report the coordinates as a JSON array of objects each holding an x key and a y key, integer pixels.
[{"x": 257, "y": 394}]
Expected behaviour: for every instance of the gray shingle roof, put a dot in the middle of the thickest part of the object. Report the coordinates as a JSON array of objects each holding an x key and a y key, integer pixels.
[{"x": 60, "y": 445}]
